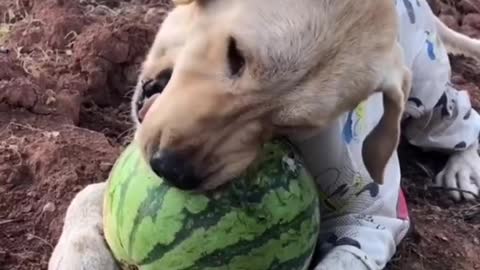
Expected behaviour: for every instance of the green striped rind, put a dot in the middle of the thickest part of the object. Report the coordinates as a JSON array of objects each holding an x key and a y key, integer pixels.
[{"x": 268, "y": 219}]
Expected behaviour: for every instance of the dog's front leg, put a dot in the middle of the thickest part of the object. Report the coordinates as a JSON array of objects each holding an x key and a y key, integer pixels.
[{"x": 81, "y": 245}]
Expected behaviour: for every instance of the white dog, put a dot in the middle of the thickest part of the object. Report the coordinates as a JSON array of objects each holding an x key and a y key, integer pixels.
[{"x": 289, "y": 66}]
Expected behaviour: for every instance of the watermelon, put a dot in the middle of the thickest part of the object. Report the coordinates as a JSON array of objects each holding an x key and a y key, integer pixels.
[{"x": 266, "y": 219}]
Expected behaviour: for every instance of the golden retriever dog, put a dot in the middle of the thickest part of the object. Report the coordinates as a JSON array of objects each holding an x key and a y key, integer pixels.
[
  {"x": 240, "y": 72},
  {"x": 224, "y": 76}
]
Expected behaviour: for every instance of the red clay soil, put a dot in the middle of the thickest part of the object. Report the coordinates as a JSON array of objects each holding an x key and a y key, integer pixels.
[{"x": 67, "y": 70}]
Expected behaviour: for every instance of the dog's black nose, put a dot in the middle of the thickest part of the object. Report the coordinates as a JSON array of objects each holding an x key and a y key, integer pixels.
[{"x": 174, "y": 169}]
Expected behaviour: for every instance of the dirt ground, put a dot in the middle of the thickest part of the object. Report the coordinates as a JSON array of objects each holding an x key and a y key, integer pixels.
[{"x": 67, "y": 68}]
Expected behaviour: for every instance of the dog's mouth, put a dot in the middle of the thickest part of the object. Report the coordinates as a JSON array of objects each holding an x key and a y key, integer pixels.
[
  {"x": 150, "y": 91},
  {"x": 144, "y": 105}
]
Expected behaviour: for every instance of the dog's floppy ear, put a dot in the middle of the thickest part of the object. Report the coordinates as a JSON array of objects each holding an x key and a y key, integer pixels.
[{"x": 381, "y": 143}]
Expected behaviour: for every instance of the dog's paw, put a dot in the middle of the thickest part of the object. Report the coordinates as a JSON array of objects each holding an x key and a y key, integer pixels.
[
  {"x": 81, "y": 245},
  {"x": 82, "y": 249},
  {"x": 462, "y": 173}
]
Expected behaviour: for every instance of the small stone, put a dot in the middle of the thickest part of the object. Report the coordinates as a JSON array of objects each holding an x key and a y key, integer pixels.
[
  {"x": 105, "y": 166},
  {"x": 436, "y": 209},
  {"x": 50, "y": 97},
  {"x": 27, "y": 209},
  {"x": 476, "y": 241},
  {"x": 442, "y": 237},
  {"x": 49, "y": 207}
]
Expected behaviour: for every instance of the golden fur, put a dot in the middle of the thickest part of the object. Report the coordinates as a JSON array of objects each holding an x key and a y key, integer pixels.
[
  {"x": 303, "y": 69},
  {"x": 307, "y": 62}
]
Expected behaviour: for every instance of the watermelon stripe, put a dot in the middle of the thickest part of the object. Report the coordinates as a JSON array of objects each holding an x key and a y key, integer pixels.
[
  {"x": 111, "y": 206},
  {"x": 295, "y": 263},
  {"x": 242, "y": 248},
  {"x": 229, "y": 228},
  {"x": 124, "y": 188},
  {"x": 114, "y": 174},
  {"x": 148, "y": 208},
  {"x": 201, "y": 220},
  {"x": 210, "y": 217},
  {"x": 121, "y": 201},
  {"x": 255, "y": 195}
]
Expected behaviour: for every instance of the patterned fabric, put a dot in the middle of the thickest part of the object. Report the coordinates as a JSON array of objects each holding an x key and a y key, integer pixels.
[{"x": 356, "y": 212}]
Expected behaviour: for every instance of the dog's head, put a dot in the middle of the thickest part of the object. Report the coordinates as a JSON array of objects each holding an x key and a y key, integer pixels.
[{"x": 224, "y": 76}]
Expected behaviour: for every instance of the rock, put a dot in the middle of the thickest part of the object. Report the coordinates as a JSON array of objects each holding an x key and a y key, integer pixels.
[{"x": 49, "y": 207}]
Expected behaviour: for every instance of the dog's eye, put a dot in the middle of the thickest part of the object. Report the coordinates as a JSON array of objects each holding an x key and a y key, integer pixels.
[
  {"x": 156, "y": 86},
  {"x": 236, "y": 61}
]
